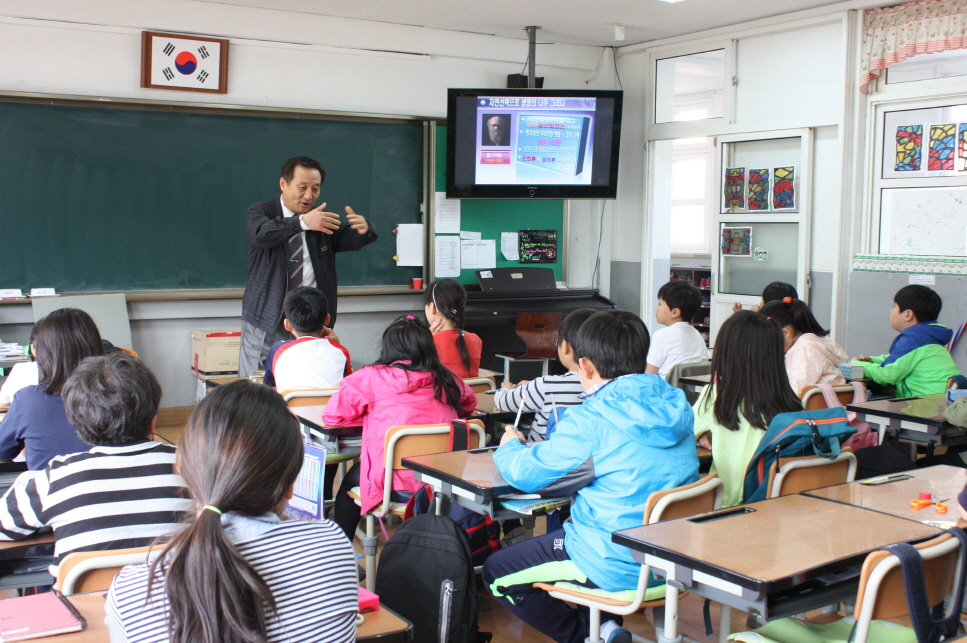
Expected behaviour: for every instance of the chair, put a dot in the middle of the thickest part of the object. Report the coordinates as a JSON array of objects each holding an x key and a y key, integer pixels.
[
  {"x": 539, "y": 333},
  {"x": 689, "y": 369},
  {"x": 794, "y": 475},
  {"x": 402, "y": 442},
  {"x": 813, "y": 400},
  {"x": 308, "y": 397},
  {"x": 881, "y": 595},
  {"x": 480, "y": 384},
  {"x": 93, "y": 571},
  {"x": 698, "y": 497}
]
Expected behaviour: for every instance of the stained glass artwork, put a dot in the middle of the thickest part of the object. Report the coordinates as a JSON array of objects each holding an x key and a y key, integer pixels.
[
  {"x": 962, "y": 148},
  {"x": 735, "y": 187},
  {"x": 759, "y": 189},
  {"x": 909, "y": 144},
  {"x": 942, "y": 147},
  {"x": 784, "y": 188}
]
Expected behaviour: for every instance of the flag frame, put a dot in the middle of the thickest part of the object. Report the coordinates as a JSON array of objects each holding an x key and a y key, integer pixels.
[{"x": 147, "y": 38}]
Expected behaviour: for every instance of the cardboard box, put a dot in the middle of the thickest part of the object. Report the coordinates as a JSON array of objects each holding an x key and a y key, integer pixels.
[{"x": 215, "y": 351}]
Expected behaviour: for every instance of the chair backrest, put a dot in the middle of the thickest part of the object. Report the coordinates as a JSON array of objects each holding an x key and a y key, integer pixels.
[
  {"x": 687, "y": 369},
  {"x": 699, "y": 497},
  {"x": 813, "y": 400},
  {"x": 93, "y": 571},
  {"x": 539, "y": 332},
  {"x": 794, "y": 475},
  {"x": 481, "y": 384},
  {"x": 882, "y": 592},
  {"x": 308, "y": 397}
]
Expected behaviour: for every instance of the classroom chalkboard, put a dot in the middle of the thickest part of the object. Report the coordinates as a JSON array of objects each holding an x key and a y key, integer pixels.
[
  {"x": 490, "y": 217},
  {"x": 141, "y": 198}
]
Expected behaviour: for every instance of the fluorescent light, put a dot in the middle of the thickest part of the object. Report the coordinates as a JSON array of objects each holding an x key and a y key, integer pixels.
[{"x": 670, "y": 1}]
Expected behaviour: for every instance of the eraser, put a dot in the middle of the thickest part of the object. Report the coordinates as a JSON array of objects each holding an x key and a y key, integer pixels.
[
  {"x": 924, "y": 495},
  {"x": 368, "y": 601}
]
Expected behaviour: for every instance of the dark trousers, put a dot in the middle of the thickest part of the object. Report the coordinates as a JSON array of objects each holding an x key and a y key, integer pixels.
[
  {"x": 345, "y": 511},
  {"x": 510, "y": 573}
]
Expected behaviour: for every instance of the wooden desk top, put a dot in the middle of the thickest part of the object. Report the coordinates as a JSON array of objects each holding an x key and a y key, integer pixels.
[
  {"x": 485, "y": 403},
  {"x": 312, "y": 417},
  {"x": 781, "y": 543},
  {"x": 472, "y": 470},
  {"x": 925, "y": 409},
  {"x": 36, "y": 545},
  {"x": 943, "y": 482}
]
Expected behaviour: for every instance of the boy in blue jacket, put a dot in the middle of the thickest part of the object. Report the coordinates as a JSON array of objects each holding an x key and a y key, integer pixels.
[{"x": 630, "y": 438}]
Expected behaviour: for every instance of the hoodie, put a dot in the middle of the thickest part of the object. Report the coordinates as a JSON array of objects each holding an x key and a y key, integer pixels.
[
  {"x": 379, "y": 397},
  {"x": 630, "y": 438},
  {"x": 814, "y": 360},
  {"x": 918, "y": 362}
]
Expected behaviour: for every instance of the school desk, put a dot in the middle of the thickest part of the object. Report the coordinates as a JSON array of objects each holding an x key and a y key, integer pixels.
[
  {"x": 772, "y": 558},
  {"x": 14, "y": 553},
  {"x": 695, "y": 383},
  {"x": 892, "y": 493},
  {"x": 311, "y": 416},
  {"x": 917, "y": 419}
]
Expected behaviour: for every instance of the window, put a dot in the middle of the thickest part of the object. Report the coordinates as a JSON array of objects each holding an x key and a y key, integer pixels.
[
  {"x": 691, "y": 203},
  {"x": 690, "y": 87},
  {"x": 928, "y": 67}
]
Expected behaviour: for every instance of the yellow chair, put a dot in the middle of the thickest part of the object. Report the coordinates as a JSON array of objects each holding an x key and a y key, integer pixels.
[
  {"x": 698, "y": 497},
  {"x": 93, "y": 571},
  {"x": 813, "y": 400},
  {"x": 400, "y": 442},
  {"x": 794, "y": 475}
]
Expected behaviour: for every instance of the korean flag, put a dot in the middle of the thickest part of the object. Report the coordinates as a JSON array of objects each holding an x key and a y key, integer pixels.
[{"x": 182, "y": 63}]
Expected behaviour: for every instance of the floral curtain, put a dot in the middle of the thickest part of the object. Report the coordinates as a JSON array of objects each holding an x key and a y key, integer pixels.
[{"x": 893, "y": 34}]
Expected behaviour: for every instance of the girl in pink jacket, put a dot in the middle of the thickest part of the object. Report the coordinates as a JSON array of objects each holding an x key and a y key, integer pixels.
[{"x": 406, "y": 385}]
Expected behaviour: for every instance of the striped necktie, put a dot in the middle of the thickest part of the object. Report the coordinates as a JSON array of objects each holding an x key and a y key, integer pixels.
[{"x": 294, "y": 264}]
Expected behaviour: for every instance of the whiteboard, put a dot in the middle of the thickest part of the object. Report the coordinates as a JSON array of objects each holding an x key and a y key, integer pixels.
[{"x": 924, "y": 221}]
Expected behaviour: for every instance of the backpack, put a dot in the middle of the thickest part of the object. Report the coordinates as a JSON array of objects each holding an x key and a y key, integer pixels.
[
  {"x": 482, "y": 531},
  {"x": 795, "y": 434},
  {"x": 425, "y": 575},
  {"x": 864, "y": 436}
]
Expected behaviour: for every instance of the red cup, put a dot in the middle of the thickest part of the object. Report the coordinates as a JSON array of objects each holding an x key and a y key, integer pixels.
[{"x": 417, "y": 283}]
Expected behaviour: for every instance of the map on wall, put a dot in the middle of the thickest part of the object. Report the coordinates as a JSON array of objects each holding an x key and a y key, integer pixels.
[{"x": 924, "y": 221}]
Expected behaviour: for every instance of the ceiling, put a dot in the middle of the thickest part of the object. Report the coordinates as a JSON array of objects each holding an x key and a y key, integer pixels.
[{"x": 585, "y": 22}]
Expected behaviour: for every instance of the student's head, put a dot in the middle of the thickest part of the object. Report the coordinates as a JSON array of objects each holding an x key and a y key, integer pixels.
[
  {"x": 112, "y": 399},
  {"x": 795, "y": 319},
  {"x": 777, "y": 291},
  {"x": 914, "y": 304},
  {"x": 567, "y": 335},
  {"x": 677, "y": 301},
  {"x": 300, "y": 183},
  {"x": 408, "y": 345},
  {"x": 62, "y": 340},
  {"x": 306, "y": 311},
  {"x": 241, "y": 453},
  {"x": 610, "y": 344},
  {"x": 749, "y": 369},
  {"x": 446, "y": 299}
]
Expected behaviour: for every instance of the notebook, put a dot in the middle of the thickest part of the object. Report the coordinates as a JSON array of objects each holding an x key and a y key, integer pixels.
[{"x": 36, "y": 616}]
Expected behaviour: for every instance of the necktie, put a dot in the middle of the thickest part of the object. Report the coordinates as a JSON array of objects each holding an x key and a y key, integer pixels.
[{"x": 294, "y": 264}]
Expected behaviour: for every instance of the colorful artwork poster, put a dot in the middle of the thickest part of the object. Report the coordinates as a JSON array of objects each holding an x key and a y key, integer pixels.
[
  {"x": 962, "y": 148},
  {"x": 759, "y": 189},
  {"x": 737, "y": 242},
  {"x": 942, "y": 147},
  {"x": 784, "y": 188},
  {"x": 909, "y": 144},
  {"x": 735, "y": 187}
]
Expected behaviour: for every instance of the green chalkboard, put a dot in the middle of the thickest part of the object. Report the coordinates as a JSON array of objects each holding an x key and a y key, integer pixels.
[
  {"x": 490, "y": 217},
  {"x": 113, "y": 198}
]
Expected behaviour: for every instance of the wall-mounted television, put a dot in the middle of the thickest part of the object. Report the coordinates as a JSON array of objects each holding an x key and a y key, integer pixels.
[{"x": 533, "y": 143}]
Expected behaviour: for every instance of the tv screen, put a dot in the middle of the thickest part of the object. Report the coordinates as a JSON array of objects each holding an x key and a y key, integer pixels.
[{"x": 533, "y": 143}]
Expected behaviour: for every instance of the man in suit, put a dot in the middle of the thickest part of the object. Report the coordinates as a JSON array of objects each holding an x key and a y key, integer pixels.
[{"x": 291, "y": 244}]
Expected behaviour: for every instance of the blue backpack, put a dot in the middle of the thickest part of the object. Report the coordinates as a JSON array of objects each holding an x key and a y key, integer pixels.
[{"x": 794, "y": 435}]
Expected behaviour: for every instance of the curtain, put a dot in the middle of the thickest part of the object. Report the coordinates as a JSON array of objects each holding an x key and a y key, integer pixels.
[{"x": 893, "y": 34}]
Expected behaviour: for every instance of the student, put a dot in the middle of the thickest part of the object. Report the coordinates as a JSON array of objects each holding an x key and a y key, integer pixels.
[
  {"x": 750, "y": 388},
  {"x": 445, "y": 303},
  {"x": 811, "y": 356},
  {"x": 554, "y": 393},
  {"x": 21, "y": 376},
  {"x": 776, "y": 291},
  {"x": 632, "y": 436},
  {"x": 237, "y": 572},
  {"x": 678, "y": 342},
  {"x": 315, "y": 358},
  {"x": 918, "y": 362},
  {"x": 36, "y": 420},
  {"x": 121, "y": 493},
  {"x": 406, "y": 385}
]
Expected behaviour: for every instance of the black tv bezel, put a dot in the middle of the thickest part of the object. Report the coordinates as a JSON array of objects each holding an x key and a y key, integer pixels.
[{"x": 556, "y": 191}]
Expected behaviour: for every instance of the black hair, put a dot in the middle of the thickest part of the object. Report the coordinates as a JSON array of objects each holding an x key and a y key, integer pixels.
[
  {"x": 749, "y": 371},
  {"x": 111, "y": 399},
  {"x": 615, "y": 341},
  {"x": 681, "y": 295},
  {"x": 288, "y": 168},
  {"x": 795, "y": 313},
  {"x": 778, "y": 290},
  {"x": 306, "y": 308},
  {"x": 408, "y": 345},
  {"x": 62, "y": 340},
  {"x": 571, "y": 326},
  {"x": 450, "y": 298},
  {"x": 924, "y": 302}
]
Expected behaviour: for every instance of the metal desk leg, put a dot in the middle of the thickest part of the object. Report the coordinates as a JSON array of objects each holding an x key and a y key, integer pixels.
[
  {"x": 725, "y": 622},
  {"x": 670, "y": 633}
]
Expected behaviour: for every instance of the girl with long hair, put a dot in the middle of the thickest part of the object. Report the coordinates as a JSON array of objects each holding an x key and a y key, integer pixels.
[{"x": 445, "y": 303}]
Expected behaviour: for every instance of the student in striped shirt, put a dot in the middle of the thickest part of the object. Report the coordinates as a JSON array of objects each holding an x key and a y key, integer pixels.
[
  {"x": 121, "y": 493},
  {"x": 237, "y": 572}
]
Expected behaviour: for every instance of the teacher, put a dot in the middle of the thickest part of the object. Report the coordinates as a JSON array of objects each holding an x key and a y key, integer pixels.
[{"x": 291, "y": 244}]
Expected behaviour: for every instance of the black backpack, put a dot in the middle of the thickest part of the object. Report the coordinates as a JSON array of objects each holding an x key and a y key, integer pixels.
[
  {"x": 425, "y": 574},
  {"x": 481, "y": 530}
]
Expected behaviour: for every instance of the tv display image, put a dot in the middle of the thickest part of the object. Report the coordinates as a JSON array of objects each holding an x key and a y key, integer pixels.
[{"x": 533, "y": 143}]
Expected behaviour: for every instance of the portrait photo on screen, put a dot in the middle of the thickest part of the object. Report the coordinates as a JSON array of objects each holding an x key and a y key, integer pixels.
[{"x": 495, "y": 130}]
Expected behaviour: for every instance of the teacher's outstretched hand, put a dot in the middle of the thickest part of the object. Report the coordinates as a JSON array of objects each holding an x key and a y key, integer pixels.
[
  {"x": 356, "y": 221},
  {"x": 320, "y": 220}
]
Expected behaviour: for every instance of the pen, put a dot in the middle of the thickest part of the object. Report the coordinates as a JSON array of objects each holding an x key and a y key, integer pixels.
[{"x": 520, "y": 409}]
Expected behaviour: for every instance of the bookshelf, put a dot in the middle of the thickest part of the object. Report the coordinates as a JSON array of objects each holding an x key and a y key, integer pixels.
[{"x": 701, "y": 278}]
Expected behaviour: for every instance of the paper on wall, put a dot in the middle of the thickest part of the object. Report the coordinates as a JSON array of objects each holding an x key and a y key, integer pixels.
[
  {"x": 446, "y": 214},
  {"x": 478, "y": 255},
  {"x": 509, "y": 246},
  {"x": 409, "y": 244},
  {"x": 464, "y": 234},
  {"x": 446, "y": 253}
]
